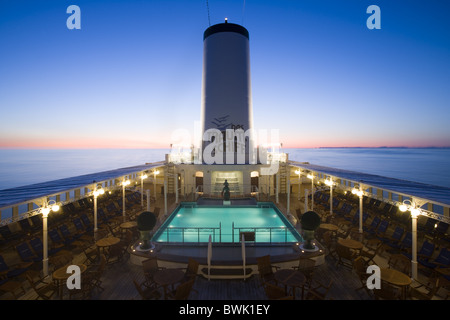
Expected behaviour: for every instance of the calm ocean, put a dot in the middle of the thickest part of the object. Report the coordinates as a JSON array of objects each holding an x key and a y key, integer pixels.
[{"x": 24, "y": 167}]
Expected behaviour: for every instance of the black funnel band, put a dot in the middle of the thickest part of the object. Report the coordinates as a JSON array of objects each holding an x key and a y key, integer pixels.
[{"x": 225, "y": 27}]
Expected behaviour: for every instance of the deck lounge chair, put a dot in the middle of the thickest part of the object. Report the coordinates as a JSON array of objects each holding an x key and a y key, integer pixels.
[
  {"x": 37, "y": 221},
  {"x": 373, "y": 225},
  {"x": 11, "y": 286},
  {"x": 441, "y": 261},
  {"x": 425, "y": 252},
  {"x": 26, "y": 254},
  {"x": 427, "y": 227},
  {"x": 182, "y": 291},
  {"x": 38, "y": 247},
  {"x": 57, "y": 240},
  {"x": 274, "y": 292},
  {"x": 266, "y": 270},
  {"x": 14, "y": 270},
  {"x": 26, "y": 225},
  {"x": 403, "y": 245},
  {"x": 68, "y": 236},
  {"x": 395, "y": 237},
  {"x": 8, "y": 235},
  {"x": 146, "y": 293},
  {"x": 44, "y": 292}
]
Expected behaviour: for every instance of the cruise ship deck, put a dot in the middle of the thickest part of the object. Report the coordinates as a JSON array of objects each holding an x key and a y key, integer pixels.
[{"x": 382, "y": 222}]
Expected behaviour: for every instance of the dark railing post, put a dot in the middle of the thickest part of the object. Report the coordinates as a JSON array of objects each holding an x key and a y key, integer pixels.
[{"x": 232, "y": 232}]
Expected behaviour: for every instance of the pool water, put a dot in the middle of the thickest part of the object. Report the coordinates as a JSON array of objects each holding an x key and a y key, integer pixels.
[{"x": 194, "y": 224}]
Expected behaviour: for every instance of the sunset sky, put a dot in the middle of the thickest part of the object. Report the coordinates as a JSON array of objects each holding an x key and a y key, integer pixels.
[{"x": 132, "y": 75}]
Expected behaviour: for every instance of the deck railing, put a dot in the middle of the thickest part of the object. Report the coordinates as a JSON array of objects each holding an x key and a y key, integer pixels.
[
  {"x": 259, "y": 231},
  {"x": 200, "y": 231}
]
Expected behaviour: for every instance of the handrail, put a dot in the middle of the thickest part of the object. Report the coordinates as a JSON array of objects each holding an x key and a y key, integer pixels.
[
  {"x": 184, "y": 229},
  {"x": 256, "y": 229}
]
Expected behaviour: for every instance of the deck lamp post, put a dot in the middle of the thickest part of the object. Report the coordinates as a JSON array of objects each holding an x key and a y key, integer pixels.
[
  {"x": 124, "y": 184},
  {"x": 299, "y": 172},
  {"x": 97, "y": 192},
  {"x": 45, "y": 209},
  {"x": 311, "y": 176},
  {"x": 329, "y": 182},
  {"x": 155, "y": 173},
  {"x": 415, "y": 212},
  {"x": 143, "y": 176},
  {"x": 148, "y": 199},
  {"x": 360, "y": 193}
]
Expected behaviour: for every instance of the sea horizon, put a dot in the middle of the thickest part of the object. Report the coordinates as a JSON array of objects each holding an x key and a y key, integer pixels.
[{"x": 21, "y": 167}]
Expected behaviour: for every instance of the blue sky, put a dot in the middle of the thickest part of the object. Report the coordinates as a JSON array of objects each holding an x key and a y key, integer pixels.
[{"x": 131, "y": 76}]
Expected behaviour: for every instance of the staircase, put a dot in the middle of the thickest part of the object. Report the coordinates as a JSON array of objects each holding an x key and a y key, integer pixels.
[
  {"x": 283, "y": 169},
  {"x": 171, "y": 178}
]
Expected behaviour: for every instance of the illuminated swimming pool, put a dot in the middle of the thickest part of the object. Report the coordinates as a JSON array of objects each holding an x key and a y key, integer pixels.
[{"x": 191, "y": 223}]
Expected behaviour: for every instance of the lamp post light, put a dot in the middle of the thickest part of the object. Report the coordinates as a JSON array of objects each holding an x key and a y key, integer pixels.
[
  {"x": 360, "y": 193},
  {"x": 311, "y": 176},
  {"x": 124, "y": 184},
  {"x": 415, "y": 212},
  {"x": 330, "y": 183},
  {"x": 143, "y": 176},
  {"x": 45, "y": 209},
  {"x": 97, "y": 191}
]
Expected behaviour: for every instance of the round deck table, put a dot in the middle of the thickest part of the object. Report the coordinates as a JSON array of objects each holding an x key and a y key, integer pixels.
[
  {"x": 168, "y": 277},
  {"x": 329, "y": 226},
  {"x": 396, "y": 278},
  {"x": 60, "y": 275},
  {"x": 291, "y": 278},
  {"x": 351, "y": 244},
  {"x": 128, "y": 225}
]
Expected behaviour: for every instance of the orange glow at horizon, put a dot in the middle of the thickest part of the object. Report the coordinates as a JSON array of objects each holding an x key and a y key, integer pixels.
[{"x": 68, "y": 143}]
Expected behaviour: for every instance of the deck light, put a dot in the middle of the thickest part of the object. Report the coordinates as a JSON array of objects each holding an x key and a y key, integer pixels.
[
  {"x": 98, "y": 190},
  {"x": 411, "y": 206},
  {"x": 124, "y": 184},
  {"x": 310, "y": 176},
  {"x": 357, "y": 192},
  {"x": 49, "y": 206},
  {"x": 45, "y": 209},
  {"x": 415, "y": 212},
  {"x": 297, "y": 171},
  {"x": 143, "y": 176}
]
